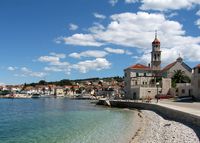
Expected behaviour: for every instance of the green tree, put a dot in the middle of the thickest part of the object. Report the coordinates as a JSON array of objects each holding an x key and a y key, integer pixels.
[
  {"x": 42, "y": 82},
  {"x": 179, "y": 77}
]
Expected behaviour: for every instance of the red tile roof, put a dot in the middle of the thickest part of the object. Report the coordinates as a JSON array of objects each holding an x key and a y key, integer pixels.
[
  {"x": 197, "y": 66},
  {"x": 139, "y": 66},
  {"x": 156, "y": 41},
  {"x": 168, "y": 67}
]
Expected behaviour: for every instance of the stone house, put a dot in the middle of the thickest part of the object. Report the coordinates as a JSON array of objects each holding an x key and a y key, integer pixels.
[{"x": 196, "y": 82}]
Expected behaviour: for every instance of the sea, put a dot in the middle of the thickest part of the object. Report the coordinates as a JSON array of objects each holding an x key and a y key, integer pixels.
[{"x": 61, "y": 120}]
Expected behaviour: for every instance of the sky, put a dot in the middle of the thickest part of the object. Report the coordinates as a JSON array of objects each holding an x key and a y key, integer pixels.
[{"x": 75, "y": 39}]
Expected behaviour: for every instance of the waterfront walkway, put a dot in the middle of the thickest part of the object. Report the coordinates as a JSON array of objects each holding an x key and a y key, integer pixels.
[{"x": 188, "y": 107}]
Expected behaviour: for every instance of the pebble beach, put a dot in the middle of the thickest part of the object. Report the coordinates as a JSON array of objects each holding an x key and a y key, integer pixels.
[{"x": 155, "y": 129}]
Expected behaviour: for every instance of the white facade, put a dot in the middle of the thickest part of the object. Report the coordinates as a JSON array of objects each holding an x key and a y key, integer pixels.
[
  {"x": 183, "y": 89},
  {"x": 135, "y": 78},
  {"x": 138, "y": 83}
]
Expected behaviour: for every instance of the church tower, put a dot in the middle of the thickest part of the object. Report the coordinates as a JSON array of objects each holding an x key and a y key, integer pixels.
[{"x": 155, "y": 54}]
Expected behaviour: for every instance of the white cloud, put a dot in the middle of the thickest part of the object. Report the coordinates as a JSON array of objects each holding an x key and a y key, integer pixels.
[
  {"x": 55, "y": 65},
  {"x": 198, "y": 23},
  {"x": 82, "y": 40},
  {"x": 53, "y": 69},
  {"x": 58, "y": 40},
  {"x": 117, "y": 51},
  {"x": 12, "y": 68},
  {"x": 96, "y": 28},
  {"x": 24, "y": 69},
  {"x": 100, "y": 16},
  {"x": 59, "y": 55},
  {"x": 131, "y": 1},
  {"x": 27, "y": 72},
  {"x": 54, "y": 59},
  {"x": 89, "y": 53},
  {"x": 113, "y": 2},
  {"x": 73, "y": 26},
  {"x": 130, "y": 29},
  {"x": 96, "y": 65},
  {"x": 198, "y": 13},
  {"x": 163, "y": 5},
  {"x": 51, "y": 59},
  {"x": 172, "y": 14}
]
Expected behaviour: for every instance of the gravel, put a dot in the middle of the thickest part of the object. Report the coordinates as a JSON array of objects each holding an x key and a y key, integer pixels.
[{"x": 155, "y": 129}]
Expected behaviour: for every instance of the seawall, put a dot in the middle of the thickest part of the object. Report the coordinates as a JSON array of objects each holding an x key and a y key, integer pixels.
[{"x": 190, "y": 120}]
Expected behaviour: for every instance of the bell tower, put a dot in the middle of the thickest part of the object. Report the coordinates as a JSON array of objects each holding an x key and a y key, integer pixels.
[{"x": 156, "y": 54}]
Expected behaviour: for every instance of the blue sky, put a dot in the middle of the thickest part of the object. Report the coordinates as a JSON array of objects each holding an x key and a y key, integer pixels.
[{"x": 73, "y": 39}]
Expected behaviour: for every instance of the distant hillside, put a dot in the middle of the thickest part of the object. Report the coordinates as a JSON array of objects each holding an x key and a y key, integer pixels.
[{"x": 64, "y": 82}]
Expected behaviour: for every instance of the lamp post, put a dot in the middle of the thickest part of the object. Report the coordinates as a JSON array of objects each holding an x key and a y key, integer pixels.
[{"x": 157, "y": 85}]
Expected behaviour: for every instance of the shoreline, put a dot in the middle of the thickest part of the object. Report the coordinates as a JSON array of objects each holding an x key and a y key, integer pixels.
[
  {"x": 154, "y": 128},
  {"x": 160, "y": 113}
]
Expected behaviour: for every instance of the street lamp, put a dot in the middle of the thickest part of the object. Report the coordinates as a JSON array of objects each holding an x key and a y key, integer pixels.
[{"x": 157, "y": 85}]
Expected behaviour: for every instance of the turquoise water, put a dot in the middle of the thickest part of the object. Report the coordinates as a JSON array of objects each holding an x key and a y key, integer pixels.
[{"x": 63, "y": 121}]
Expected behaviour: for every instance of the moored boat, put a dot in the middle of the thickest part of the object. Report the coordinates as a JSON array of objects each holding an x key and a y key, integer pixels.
[{"x": 36, "y": 95}]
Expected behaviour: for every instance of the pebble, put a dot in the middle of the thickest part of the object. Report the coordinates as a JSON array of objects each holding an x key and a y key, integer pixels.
[{"x": 158, "y": 130}]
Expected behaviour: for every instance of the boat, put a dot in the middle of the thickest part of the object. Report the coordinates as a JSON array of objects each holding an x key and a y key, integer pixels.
[{"x": 35, "y": 95}]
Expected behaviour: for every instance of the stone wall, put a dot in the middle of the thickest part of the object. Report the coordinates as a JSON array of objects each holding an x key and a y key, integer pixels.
[
  {"x": 166, "y": 85},
  {"x": 190, "y": 120}
]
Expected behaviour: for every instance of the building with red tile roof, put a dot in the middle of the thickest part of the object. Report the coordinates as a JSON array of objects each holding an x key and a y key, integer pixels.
[{"x": 140, "y": 80}]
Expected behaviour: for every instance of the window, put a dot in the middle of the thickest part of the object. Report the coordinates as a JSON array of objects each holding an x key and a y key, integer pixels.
[
  {"x": 183, "y": 91},
  {"x": 198, "y": 70},
  {"x": 137, "y": 74},
  {"x": 134, "y": 96},
  {"x": 144, "y": 74}
]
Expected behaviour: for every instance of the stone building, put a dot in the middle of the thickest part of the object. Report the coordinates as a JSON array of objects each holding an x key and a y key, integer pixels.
[
  {"x": 196, "y": 82},
  {"x": 136, "y": 76},
  {"x": 156, "y": 55},
  {"x": 168, "y": 71},
  {"x": 142, "y": 81}
]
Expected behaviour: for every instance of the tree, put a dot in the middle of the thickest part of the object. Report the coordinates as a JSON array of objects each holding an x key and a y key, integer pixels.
[
  {"x": 24, "y": 87},
  {"x": 179, "y": 77},
  {"x": 42, "y": 82}
]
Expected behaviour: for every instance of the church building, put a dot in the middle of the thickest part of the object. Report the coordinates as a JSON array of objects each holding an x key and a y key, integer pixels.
[{"x": 143, "y": 81}]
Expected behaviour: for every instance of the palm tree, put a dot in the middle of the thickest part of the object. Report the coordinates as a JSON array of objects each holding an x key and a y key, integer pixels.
[{"x": 179, "y": 77}]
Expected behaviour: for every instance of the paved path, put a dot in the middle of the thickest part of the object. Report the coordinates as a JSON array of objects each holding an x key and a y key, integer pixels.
[{"x": 188, "y": 107}]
